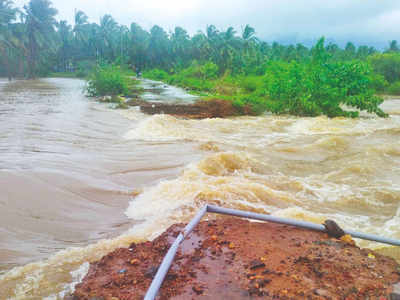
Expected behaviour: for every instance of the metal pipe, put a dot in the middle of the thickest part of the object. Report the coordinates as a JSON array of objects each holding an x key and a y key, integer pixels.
[
  {"x": 297, "y": 223},
  {"x": 193, "y": 223},
  {"x": 373, "y": 237},
  {"x": 163, "y": 269},
  {"x": 262, "y": 217},
  {"x": 169, "y": 257}
]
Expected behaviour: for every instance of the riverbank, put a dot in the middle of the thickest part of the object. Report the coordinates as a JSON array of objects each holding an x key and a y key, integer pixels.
[{"x": 234, "y": 258}]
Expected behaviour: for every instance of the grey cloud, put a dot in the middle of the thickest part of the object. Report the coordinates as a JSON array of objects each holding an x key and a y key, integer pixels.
[{"x": 362, "y": 21}]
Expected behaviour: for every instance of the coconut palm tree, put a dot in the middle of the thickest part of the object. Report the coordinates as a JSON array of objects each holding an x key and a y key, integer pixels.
[
  {"x": 201, "y": 48},
  {"x": 107, "y": 37},
  {"x": 65, "y": 43},
  {"x": 7, "y": 41},
  {"x": 180, "y": 47},
  {"x": 248, "y": 33},
  {"x": 40, "y": 24},
  {"x": 81, "y": 33},
  {"x": 393, "y": 46},
  {"x": 159, "y": 47},
  {"x": 138, "y": 48}
]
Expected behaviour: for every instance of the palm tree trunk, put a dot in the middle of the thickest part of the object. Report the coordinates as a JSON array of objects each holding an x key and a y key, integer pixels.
[{"x": 31, "y": 57}]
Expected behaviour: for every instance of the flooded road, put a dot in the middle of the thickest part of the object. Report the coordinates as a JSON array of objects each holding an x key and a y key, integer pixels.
[
  {"x": 75, "y": 173},
  {"x": 66, "y": 171}
]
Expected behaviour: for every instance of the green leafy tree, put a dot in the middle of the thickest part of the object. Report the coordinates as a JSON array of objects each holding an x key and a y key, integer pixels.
[
  {"x": 40, "y": 24},
  {"x": 138, "y": 49},
  {"x": 107, "y": 34},
  {"x": 7, "y": 39},
  {"x": 349, "y": 51},
  {"x": 181, "y": 47},
  {"x": 321, "y": 86},
  {"x": 393, "y": 46},
  {"x": 159, "y": 47},
  {"x": 81, "y": 34},
  {"x": 65, "y": 48}
]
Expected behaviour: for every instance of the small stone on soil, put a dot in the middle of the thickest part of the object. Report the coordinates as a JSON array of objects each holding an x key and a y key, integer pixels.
[{"x": 256, "y": 264}]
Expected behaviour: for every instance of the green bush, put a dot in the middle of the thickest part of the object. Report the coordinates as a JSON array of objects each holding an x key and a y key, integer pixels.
[
  {"x": 394, "y": 88},
  {"x": 107, "y": 80},
  {"x": 251, "y": 83},
  {"x": 257, "y": 104},
  {"x": 156, "y": 74},
  {"x": 209, "y": 71},
  {"x": 260, "y": 69},
  {"x": 320, "y": 86},
  {"x": 196, "y": 77},
  {"x": 379, "y": 82}
]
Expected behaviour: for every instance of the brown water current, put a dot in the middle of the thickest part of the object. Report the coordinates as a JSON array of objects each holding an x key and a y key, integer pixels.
[{"x": 79, "y": 176}]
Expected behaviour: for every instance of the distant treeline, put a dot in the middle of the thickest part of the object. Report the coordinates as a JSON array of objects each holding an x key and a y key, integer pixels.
[{"x": 33, "y": 43}]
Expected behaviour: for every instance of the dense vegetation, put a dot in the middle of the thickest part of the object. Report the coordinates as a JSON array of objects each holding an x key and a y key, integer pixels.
[
  {"x": 107, "y": 80},
  {"x": 254, "y": 74}
]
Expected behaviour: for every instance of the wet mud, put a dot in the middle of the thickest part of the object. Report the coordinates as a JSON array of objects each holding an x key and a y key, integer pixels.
[
  {"x": 237, "y": 259},
  {"x": 199, "y": 110}
]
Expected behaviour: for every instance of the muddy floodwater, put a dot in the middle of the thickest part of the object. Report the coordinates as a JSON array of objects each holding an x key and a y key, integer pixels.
[{"x": 79, "y": 178}]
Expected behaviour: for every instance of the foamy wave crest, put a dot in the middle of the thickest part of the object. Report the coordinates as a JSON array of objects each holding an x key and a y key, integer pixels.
[
  {"x": 234, "y": 131},
  {"x": 225, "y": 178},
  {"x": 54, "y": 277},
  {"x": 158, "y": 127},
  {"x": 343, "y": 126},
  {"x": 133, "y": 114}
]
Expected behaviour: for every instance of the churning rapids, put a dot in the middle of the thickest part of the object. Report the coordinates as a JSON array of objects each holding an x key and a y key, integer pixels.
[{"x": 79, "y": 179}]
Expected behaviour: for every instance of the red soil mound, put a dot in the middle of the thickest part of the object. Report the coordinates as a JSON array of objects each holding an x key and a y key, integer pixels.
[
  {"x": 200, "y": 110},
  {"x": 232, "y": 258}
]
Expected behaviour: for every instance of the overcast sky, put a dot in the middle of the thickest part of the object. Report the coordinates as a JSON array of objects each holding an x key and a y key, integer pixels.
[{"x": 373, "y": 22}]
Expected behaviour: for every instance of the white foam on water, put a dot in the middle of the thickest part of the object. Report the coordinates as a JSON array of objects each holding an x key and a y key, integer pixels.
[
  {"x": 305, "y": 168},
  {"x": 55, "y": 276}
]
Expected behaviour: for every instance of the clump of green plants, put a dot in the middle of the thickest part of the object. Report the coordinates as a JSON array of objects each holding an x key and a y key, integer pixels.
[
  {"x": 196, "y": 77},
  {"x": 156, "y": 74},
  {"x": 250, "y": 83},
  {"x": 379, "y": 83},
  {"x": 321, "y": 86},
  {"x": 208, "y": 71},
  {"x": 107, "y": 80}
]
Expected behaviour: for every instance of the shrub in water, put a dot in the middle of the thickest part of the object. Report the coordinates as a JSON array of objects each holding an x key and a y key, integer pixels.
[{"x": 107, "y": 80}]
